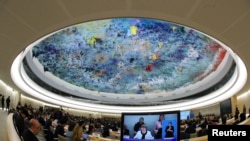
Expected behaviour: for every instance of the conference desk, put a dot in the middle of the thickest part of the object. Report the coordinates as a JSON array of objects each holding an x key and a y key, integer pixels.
[
  {"x": 115, "y": 134},
  {"x": 96, "y": 138}
]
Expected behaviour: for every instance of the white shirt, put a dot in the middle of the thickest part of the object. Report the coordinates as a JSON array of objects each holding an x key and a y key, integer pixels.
[{"x": 147, "y": 136}]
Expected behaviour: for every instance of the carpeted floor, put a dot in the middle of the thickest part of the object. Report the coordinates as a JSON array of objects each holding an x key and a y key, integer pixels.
[{"x": 3, "y": 131}]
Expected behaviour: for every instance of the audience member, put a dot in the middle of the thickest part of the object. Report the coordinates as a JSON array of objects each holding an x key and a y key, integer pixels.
[
  {"x": 237, "y": 111},
  {"x": 224, "y": 119},
  {"x": 200, "y": 116},
  {"x": 33, "y": 130},
  {"x": 21, "y": 121},
  {"x": 114, "y": 126},
  {"x": 78, "y": 131},
  {"x": 236, "y": 120},
  {"x": 105, "y": 130},
  {"x": 19, "y": 106},
  {"x": 40, "y": 118},
  {"x": 242, "y": 117},
  {"x": 69, "y": 132},
  {"x": 203, "y": 131},
  {"x": 190, "y": 128},
  {"x": 60, "y": 129},
  {"x": 48, "y": 123},
  {"x": 90, "y": 131},
  {"x": 204, "y": 123},
  {"x": 244, "y": 109}
]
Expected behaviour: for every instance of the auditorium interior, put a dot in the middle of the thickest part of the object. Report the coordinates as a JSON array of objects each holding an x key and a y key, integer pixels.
[{"x": 100, "y": 59}]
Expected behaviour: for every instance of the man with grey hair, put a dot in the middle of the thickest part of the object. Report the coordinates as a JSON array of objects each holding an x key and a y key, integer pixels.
[{"x": 33, "y": 130}]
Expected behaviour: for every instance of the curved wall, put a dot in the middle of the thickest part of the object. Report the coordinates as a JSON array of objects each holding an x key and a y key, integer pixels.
[{"x": 11, "y": 130}]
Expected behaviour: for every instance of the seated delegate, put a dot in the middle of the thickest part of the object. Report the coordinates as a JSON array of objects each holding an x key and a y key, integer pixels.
[{"x": 143, "y": 133}]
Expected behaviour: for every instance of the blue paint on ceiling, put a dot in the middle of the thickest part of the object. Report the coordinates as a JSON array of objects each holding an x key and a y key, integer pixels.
[{"x": 129, "y": 55}]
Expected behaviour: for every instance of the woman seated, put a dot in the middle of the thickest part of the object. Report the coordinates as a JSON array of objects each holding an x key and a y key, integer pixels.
[{"x": 143, "y": 133}]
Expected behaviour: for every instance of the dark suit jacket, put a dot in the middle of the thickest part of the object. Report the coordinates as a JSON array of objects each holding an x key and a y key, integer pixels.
[
  {"x": 29, "y": 136},
  {"x": 59, "y": 131}
]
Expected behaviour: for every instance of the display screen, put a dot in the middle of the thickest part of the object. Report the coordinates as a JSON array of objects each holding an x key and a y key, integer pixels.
[
  {"x": 185, "y": 114},
  {"x": 156, "y": 126}
]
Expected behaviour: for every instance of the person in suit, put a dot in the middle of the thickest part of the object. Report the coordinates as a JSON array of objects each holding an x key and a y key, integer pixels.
[
  {"x": 138, "y": 125},
  {"x": 60, "y": 128},
  {"x": 224, "y": 119},
  {"x": 169, "y": 130},
  {"x": 203, "y": 131},
  {"x": 21, "y": 121},
  {"x": 8, "y": 103},
  {"x": 3, "y": 102},
  {"x": 33, "y": 130}
]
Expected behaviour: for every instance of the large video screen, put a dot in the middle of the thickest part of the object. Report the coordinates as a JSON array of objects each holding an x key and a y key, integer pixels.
[
  {"x": 153, "y": 126},
  {"x": 185, "y": 114}
]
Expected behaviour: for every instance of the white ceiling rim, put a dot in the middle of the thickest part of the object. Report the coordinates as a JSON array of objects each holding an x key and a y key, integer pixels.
[
  {"x": 178, "y": 93},
  {"x": 19, "y": 78}
]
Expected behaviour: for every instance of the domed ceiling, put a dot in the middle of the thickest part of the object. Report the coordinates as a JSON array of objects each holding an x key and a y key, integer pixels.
[{"x": 130, "y": 59}]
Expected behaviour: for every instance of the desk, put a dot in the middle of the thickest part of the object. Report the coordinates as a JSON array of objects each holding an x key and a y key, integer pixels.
[
  {"x": 115, "y": 134},
  {"x": 94, "y": 138}
]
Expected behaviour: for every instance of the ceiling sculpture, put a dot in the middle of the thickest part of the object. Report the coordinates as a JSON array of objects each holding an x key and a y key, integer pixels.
[
  {"x": 129, "y": 55},
  {"x": 182, "y": 59}
]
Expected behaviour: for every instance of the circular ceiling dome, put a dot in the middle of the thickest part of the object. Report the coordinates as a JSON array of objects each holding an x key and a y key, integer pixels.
[
  {"x": 129, "y": 59},
  {"x": 116, "y": 64}
]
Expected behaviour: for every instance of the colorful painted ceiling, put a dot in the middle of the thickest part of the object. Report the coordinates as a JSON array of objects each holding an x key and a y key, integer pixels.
[{"x": 129, "y": 55}]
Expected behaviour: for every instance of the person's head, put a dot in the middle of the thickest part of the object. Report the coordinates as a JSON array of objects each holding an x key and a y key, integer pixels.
[
  {"x": 242, "y": 116},
  {"x": 203, "y": 126},
  {"x": 72, "y": 125},
  {"x": 35, "y": 126},
  {"x": 143, "y": 128},
  {"x": 24, "y": 113},
  {"x": 141, "y": 119},
  {"x": 170, "y": 123},
  {"x": 62, "y": 121},
  {"x": 80, "y": 123},
  {"x": 91, "y": 129},
  {"x": 161, "y": 117}
]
